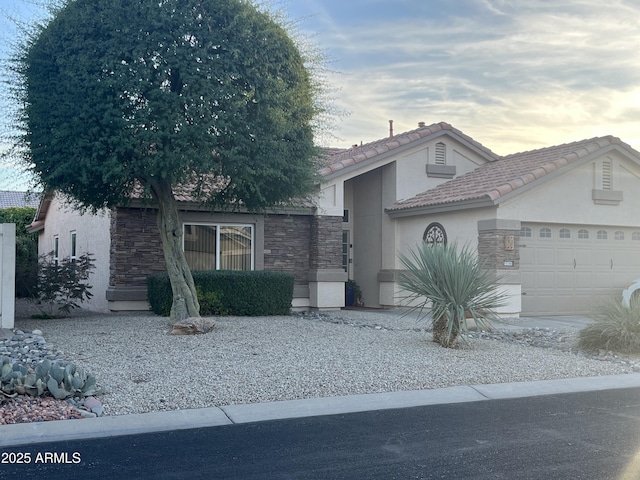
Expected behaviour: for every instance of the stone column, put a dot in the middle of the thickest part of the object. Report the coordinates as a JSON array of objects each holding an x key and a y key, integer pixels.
[
  {"x": 499, "y": 249},
  {"x": 326, "y": 275}
]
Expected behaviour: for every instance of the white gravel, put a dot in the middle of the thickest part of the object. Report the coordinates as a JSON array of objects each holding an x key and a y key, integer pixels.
[{"x": 246, "y": 360}]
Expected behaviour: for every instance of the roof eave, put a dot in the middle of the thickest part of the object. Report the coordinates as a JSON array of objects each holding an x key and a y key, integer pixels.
[{"x": 481, "y": 202}]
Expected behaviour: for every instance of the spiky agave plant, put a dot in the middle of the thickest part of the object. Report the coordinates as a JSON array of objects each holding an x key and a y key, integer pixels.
[{"x": 447, "y": 284}]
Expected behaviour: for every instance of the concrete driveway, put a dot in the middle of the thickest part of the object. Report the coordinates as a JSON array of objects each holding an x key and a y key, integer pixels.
[{"x": 554, "y": 323}]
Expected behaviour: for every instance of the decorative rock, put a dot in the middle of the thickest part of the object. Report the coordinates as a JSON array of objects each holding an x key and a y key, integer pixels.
[
  {"x": 28, "y": 348},
  {"x": 193, "y": 326}
]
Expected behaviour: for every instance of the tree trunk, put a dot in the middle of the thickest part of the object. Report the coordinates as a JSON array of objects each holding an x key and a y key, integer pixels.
[
  {"x": 441, "y": 332},
  {"x": 185, "y": 299}
]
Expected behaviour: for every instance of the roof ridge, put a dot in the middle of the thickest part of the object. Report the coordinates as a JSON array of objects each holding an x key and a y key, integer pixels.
[{"x": 610, "y": 138}]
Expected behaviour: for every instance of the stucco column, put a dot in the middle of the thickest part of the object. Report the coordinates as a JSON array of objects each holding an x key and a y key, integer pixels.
[
  {"x": 8, "y": 279},
  {"x": 499, "y": 249}
]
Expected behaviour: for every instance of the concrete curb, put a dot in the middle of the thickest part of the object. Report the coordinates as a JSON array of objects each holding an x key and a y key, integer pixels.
[{"x": 61, "y": 430}]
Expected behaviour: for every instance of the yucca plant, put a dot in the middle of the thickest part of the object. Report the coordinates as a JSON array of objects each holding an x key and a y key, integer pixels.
[
  {"x": 616, "y": 328},
  {"x": 448, "y": 284}
]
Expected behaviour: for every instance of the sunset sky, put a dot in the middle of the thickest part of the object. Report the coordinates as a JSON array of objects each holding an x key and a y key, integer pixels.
[{"x": 513, "y": 74}]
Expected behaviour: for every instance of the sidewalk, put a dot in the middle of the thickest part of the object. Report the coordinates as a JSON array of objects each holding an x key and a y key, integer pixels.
[{"x": 61, "y": 430}]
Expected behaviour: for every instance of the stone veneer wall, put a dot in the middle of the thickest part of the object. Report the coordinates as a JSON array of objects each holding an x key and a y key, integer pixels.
[
  {"x": 286, "y": 245},
  {"x": 136, "y": 248},
  {"x": 491, "y": 248},
  {"x": 292, "y": 243},
  {"x": 326, "y": 243}
]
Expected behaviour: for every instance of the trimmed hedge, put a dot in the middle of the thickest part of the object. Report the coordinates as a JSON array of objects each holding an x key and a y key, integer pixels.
[{"x": 226, "y": 292}]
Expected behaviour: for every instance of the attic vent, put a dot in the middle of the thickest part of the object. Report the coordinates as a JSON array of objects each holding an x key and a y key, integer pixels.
[
  {"x": 441, "y": 154},
  {"x": 607, "y": 180}
]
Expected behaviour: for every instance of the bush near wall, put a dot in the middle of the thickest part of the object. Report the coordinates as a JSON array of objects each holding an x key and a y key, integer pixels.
[
  {"x": 226, "y": 292},
  {"x": 26, "y": 249}
]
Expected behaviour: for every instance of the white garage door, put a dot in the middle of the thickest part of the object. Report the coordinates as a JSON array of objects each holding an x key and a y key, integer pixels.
[{"x": 571, "y": 269}]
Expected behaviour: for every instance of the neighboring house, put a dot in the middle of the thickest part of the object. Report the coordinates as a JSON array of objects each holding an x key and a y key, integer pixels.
[
  {"x": 10, "y": 199},
  {"x": 559, "y": 225}
]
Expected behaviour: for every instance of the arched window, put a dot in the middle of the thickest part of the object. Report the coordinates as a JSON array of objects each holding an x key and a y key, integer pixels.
[
  {"x": 545, "y": 233},
  {"x": 602, "y": 235},
  {"x": 525, "y": 232},
  {"x": 635, "y": 236},
  {"x": 565, "y": 233},
  {"x": 583, "y": 234},
  {"x": 619, "y": 235},
  {"x": 435, "y": 235}
]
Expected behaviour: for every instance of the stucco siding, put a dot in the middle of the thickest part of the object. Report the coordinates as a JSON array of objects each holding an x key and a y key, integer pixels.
[
  {"x": 461, "y": 227},
  {"x": 568, "y": 198},
  {"x": 367, "y": 237},
  {"x": 91, "y": 237}
]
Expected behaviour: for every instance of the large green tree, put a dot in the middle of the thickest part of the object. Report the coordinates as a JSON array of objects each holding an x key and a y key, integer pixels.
[{"x": 121, "y": 97}]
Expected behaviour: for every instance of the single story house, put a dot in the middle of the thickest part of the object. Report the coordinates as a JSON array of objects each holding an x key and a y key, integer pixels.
[{"x": 558, "y": 224}]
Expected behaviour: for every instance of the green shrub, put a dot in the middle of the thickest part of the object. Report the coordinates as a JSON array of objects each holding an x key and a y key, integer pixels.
[
  {"x": 26, "y": 249},
  {"x": 226, "y": 292},
  {"x": 210, "y": 303},
  {"x": 63, "y": 284},
  {"x": 616, "y": 328}
]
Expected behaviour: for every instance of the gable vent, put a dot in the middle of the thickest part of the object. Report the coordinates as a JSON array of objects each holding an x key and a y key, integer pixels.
[
  {"x": 441, "y": 154},
  {"x": 607, "y": 180}
]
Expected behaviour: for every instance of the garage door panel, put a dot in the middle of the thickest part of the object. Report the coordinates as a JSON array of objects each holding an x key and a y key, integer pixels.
[
  {"x": 583, "y": 280},
  {"x": 545, "y": 279},
  {"x": 526, "y": 255},
  {"x": 564, "y": 280},
  {"x": 602, "y": 259},
  {"x": 545, "y": 256},
  {"x": 565, "y": 256},
  {"x": 601, "y": 279},
  {"x": 583, "y": 257}
]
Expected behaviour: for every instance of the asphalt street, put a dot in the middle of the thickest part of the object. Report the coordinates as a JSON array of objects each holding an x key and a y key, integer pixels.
[{"x": 586, "y": 435}]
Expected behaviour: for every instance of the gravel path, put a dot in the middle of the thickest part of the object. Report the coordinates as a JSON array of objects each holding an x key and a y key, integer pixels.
[{"x": 262, "y": 359}]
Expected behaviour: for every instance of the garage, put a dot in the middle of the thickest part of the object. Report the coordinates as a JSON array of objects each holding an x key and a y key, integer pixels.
[{"x": 571, "y": 269}]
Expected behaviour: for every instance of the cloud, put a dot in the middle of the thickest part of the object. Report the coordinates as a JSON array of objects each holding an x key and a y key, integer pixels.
[{"x": 515, "y": 75}]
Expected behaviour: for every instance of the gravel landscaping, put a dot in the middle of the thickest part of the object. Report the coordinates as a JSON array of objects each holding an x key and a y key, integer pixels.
[{"x": 263, "y": 359}]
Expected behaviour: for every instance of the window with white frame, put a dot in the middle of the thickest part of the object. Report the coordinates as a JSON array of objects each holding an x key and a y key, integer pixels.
[
  {"x": 219, "y": 246},
  {"x": 56, "y": 249},
  {"x": 73, "y": 254},
  {"x": 619, "y": 235},
  {"x": 602, "y": 235},
  {"x": 635, "y": 236},
  {"x": 583, "y": 234},
  {"x": 565, "y": 233},
  {"x": 545, "y": 233},
  {"x": 525, "y": 232}
]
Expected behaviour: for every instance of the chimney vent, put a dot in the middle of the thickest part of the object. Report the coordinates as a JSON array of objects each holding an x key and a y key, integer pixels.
[
  {"x": 421, "y": 124},
  {"x": 390, "y": 128}
]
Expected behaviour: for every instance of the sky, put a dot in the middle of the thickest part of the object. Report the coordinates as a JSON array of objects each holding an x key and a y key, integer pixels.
[{"x": 514, "y": 75}]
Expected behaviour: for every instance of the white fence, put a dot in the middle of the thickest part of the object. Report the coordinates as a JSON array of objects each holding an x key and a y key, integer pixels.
[{"x": 8, "y": 278}]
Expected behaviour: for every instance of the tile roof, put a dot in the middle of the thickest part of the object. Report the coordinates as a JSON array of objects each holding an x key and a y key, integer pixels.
[
  {"x": 494, "y": 180},
  {"x": 352, "y": 156},
  {"x": 10, "y": 199}
]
